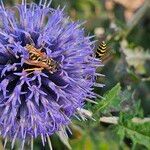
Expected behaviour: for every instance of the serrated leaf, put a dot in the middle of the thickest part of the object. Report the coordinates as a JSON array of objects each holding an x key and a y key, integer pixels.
[
  {"x": 137, "y": 132},
  {"x": 111, "y": 99}
]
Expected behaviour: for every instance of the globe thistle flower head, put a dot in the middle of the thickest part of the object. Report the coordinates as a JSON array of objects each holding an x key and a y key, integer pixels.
[{"x": 47, "y": 71}]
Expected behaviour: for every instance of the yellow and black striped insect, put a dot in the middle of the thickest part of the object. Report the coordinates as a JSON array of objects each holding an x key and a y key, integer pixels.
[
  {"x": 101, "y": 50},
  {"x": 40, "y": 60}
]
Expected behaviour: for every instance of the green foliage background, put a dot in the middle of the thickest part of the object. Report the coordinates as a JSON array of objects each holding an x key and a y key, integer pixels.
[{"x": 127, "y": 79}]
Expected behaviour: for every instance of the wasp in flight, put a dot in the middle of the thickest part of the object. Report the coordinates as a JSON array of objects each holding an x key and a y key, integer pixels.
[{"x": 40, "y": 60}]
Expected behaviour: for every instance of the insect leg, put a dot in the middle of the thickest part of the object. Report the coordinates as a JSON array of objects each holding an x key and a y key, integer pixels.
[{"x": 32, "y": 70}]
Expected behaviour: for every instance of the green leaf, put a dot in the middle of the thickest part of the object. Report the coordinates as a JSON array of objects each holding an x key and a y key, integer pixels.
[
  {"x": 138, "y": 132},
  {"x": 111, "y": 99}
]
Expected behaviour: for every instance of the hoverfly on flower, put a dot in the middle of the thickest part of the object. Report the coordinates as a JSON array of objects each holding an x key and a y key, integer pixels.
[{"x": 40, "y": 59}]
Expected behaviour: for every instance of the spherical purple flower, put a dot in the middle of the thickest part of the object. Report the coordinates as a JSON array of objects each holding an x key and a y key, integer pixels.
[{"x": 47, "y": 71}]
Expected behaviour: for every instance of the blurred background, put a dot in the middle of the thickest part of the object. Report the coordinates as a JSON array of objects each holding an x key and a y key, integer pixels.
[{"x": 121, "y": 120}]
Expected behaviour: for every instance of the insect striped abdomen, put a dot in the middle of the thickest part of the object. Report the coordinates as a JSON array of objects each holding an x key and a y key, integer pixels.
[{"x": 101, "y": 50}]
